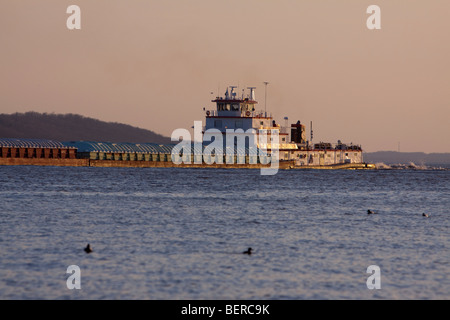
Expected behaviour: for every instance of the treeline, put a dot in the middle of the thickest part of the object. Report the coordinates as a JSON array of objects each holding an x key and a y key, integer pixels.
[{"x": 72, "y": 127}]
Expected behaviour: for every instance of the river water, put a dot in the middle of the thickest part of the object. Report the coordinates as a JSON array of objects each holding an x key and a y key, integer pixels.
[{"x": 169, "y": 233}]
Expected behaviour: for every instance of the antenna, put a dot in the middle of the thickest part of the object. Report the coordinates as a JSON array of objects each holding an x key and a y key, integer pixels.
[
  {"x": 232, "y": 93},
  {"x": 252, "y": 93},
  {"x": 265, "y": 98},
  {"x": 285, "y": 129}
]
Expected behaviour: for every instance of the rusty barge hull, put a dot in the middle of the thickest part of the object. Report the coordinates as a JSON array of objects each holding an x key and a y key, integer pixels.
[
  {"x": 44, "y": 162},
  {"x": 283, "y": 165},
  {"x": 130, "y": 164}
]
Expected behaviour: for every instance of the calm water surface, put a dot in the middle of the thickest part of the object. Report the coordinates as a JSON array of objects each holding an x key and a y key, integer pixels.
[{"x": 179, "y": 233}]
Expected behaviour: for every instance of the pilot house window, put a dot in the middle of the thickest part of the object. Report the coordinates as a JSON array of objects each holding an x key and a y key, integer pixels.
[{"x": 235, "y": 107}]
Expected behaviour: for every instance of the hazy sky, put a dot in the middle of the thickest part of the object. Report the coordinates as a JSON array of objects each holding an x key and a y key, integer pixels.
[{"x": 153, "y": 64}]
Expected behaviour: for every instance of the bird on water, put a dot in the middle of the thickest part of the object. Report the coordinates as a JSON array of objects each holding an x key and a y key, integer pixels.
[
  {"x": 371, "y": 212},
  {"x": 425, "y": 215},
  {"x": 88, "y": 248},
  {"x": 249, "y": 251}
]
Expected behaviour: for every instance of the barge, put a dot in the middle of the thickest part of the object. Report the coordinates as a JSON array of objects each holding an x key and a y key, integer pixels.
[{"x": 231, "y": 113}]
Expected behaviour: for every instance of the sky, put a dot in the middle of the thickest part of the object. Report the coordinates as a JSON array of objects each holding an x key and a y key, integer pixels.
[{"x": 156, "y": 64}]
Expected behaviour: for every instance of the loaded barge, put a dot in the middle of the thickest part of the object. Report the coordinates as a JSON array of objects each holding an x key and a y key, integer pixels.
[{"x": 238, "y": 114}]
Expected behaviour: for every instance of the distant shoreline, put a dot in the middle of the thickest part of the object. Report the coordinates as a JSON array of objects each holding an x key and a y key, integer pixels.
[{"x": 418, "y": 158}]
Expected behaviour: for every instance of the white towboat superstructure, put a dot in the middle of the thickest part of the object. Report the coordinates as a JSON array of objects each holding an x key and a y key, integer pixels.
[{"x": 233, "y": 112}]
